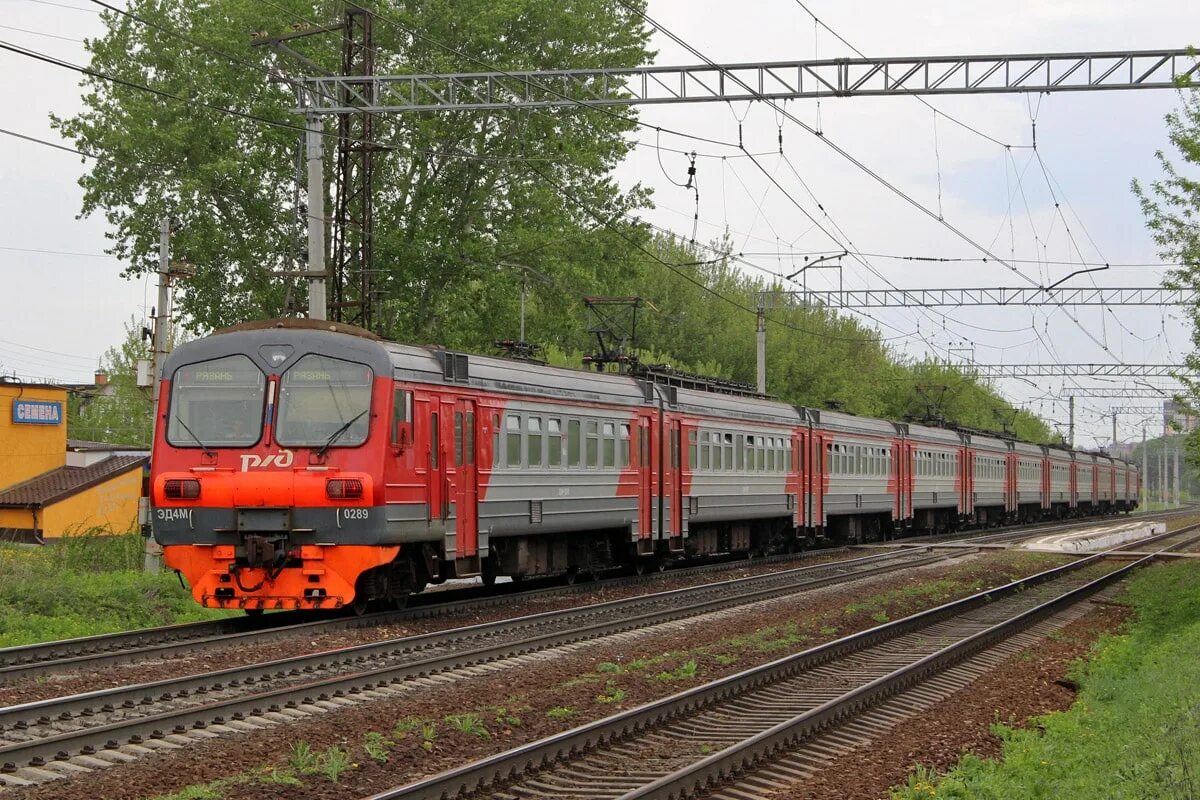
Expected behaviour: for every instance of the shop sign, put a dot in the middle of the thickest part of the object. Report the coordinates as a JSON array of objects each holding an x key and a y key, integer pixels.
[{"x": 36, "y": 412}]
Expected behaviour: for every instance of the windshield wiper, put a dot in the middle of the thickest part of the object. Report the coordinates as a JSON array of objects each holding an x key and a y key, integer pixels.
[
  {"x": 203, "y": 447},
  {"x": 338, "y": 433}
]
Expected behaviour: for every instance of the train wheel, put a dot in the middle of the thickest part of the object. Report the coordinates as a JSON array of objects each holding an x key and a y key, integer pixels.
[
  {"x": 571, "y": 576},
  {"x": 253, "y": 612},
  {"x": 361, "y": 604}
]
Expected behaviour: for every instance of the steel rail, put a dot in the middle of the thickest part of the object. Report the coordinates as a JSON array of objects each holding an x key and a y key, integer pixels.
[
  {"x": 47, "y": 658},
  {"x": 25, "y": 661},
  {"x": 734, "y": 760},
  {"x": 489, "y": 773},
  {"x": 572, "y": 625}
]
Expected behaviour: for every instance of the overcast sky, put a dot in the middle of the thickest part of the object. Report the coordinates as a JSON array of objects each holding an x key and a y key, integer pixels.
[{"x": 65, "y": 310}]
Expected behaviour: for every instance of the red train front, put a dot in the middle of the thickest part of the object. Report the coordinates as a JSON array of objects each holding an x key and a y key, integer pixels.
[{"x": 267, "y": 452}]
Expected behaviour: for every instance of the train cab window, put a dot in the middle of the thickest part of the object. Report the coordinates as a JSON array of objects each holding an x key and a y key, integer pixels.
[
  {"x": 324, "y": 401},
  {"x": 554, "y": 443},
  {"x": 217, "y": 403},
  {"x": 623, "y": 448},
  {"x": 574, "y": 446},
  {"x": 496, "y": 439},
  {"x": 533, "y": 441},
  {"x": 692, "y": 450},
  {"x": 591, "y": 442},
  {"x": 402, "y": 409},
  {"x": 513, "y": 446},
  {"x": 608, "y": 437},
  {"x": 728, "y": 457}
]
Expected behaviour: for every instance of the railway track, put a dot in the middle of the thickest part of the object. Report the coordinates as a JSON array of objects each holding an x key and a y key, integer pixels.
[
  {"x": 29, "y": 661},
  {"x": 48, "y": 658},
  {"x": 45, "y": 739},
  {"x": 684, "y": 744}
]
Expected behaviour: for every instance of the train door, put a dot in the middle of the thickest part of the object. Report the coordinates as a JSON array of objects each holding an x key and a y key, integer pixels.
[
  {"x": 645, "y": 470},
  {"x": 466, "y": 506},
  {"x": 675, "y": 482},
  {"x": 795, "y": 484},
  {"x": 435, "y": 472},
  {"x": 818, "y": 468},
  {"x": 968, "y": 480}
]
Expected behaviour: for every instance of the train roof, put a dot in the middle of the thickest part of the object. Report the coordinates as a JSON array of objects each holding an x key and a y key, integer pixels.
[
  {"x": 437, "y": 365},
  {"x": 840, "y": 421},
  {"x": 928, "y": 433}
]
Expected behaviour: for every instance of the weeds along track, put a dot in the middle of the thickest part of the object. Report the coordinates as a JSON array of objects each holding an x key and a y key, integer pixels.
[
  {"x": 704, "y": 737},
  {"x": 50, "y": 738},
  {"x": 27, "y": 661}
]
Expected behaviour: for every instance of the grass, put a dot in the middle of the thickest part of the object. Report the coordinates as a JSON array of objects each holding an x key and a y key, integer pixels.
[
  {"x": 86, "y": 584},
  {"x": 1134, "y": 730}
]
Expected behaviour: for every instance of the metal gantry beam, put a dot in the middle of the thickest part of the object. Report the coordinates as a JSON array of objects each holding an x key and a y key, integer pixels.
[
  {"x": 1137, "y": 410},
  {"x": 1122, "y": 392},
  {"x": 1001, "y": 296},
  {"x": 1107, "y": 370},
  {"x": 778, "y": 80}
]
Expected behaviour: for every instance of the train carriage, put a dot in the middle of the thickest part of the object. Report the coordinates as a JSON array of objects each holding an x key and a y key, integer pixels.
[
  {"x": 1106, "y": 482},
  {"x": 1061, "y": 467},
  {"x": 1028, "y": 464},
  {"x": 1086, "y": 483},
  {"x": 860, "y": 494},
  {"x": 742, "y": 472},
  {"x": 990, "y": 494},
  {"x": 937, "y": 495}
]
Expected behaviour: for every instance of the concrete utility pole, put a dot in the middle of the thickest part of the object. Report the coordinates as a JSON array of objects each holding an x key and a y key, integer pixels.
[
  {"x": 162, "y": 330},
  {"x": 1145, "y": 471},
  {"x": 1114, "y": 444},
  {"x": 761, "y": 361},
  {"x": 1178, "y": 486},
  {"x": 162, "y": 314},
  {"x": 1164, "y": 479},
  {"x": 1071, "y": 427},
  {"x": 315, "y": 151}
]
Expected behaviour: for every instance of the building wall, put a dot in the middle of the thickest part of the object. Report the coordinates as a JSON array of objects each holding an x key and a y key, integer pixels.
[
  {"x": 16, "y": 518},
  {"x": 29, "y": 450},
  {"x": 112, "y": 505}
]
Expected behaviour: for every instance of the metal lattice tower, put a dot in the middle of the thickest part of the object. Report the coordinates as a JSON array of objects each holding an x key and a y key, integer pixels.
[{"x": 353, "y": 270}]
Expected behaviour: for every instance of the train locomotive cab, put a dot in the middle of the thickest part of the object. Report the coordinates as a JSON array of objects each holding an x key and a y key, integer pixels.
[{"x": 266, "y": 446}]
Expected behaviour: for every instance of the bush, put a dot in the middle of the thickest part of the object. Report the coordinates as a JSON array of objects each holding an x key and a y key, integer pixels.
[{"x": 86, "y": 584}]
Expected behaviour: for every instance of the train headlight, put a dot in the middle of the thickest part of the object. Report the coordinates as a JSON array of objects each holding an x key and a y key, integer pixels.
[
  {"x": 182, "y": 489},
  {"x": 344, "y": 488}
]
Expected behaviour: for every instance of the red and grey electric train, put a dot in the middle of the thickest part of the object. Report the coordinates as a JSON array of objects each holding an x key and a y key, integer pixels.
[{"x": 312, "y": 465}]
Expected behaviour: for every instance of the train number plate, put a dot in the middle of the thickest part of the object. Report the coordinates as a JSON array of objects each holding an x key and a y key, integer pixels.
[{"x": 264, "y": 519}]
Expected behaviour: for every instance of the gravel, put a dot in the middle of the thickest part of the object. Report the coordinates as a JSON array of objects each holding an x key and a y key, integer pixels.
[{"x": 575, "y": 681}]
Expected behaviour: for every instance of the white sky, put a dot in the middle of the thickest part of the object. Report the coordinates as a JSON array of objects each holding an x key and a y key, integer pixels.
[{"x": 65, "y": 310}]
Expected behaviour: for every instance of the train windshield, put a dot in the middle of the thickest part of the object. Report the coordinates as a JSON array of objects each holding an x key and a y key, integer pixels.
[
  {"x": 323, "y": 402},
  {"x": 217, "y": 403}
]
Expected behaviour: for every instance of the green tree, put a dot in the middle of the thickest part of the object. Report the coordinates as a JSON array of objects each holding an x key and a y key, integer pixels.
[
  {"x": 1171, "y": 205},
  {"x": 454, "y": 193},
  {"x": 123, "y": 413}
]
